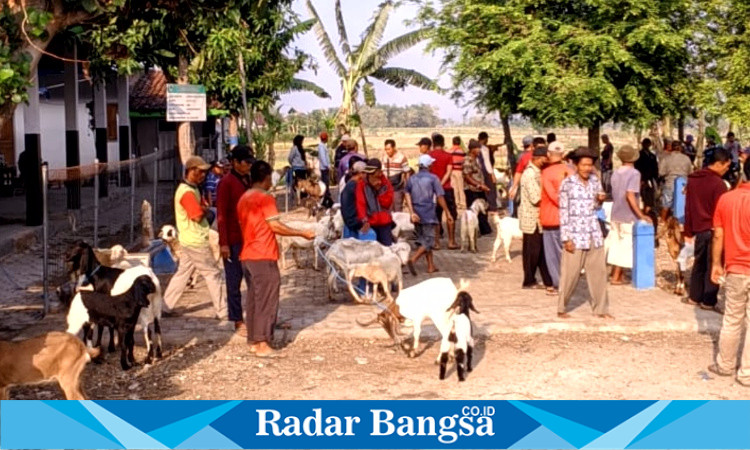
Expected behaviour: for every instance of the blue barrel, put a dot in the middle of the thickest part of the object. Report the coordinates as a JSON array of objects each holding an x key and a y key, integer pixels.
[
  {"x": 644, "y": 274},
  {"x": 678, "y": 203}
]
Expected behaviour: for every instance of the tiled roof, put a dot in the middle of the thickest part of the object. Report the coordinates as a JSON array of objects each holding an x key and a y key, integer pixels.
[{"x": 149, "y": 92}]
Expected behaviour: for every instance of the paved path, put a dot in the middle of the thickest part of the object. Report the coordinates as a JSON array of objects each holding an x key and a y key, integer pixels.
[{"x": 504, "y": 307}]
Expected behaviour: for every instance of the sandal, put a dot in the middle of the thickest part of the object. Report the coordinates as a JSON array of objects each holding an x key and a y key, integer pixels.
[
  {"x": 552, "y": 292},
  {"x": 715, "y": 369},
  {"x": 689, "y": 301},
  {"x": 713, "y": 308}
]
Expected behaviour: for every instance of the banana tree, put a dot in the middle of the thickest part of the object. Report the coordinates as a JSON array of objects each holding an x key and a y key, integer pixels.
[{"x": 366, "y": 61}]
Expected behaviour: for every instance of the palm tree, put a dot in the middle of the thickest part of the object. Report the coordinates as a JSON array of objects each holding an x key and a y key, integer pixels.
[{"x": 367, "y": 61}]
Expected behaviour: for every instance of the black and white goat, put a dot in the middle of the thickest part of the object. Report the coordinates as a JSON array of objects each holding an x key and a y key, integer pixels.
[
  {"x": 117, "y": 311},
  {"x": 84, "y": 266},
  {"x": 460, "y": 336}
]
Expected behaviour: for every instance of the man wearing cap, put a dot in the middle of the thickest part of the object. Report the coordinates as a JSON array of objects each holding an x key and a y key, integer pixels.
[
  {"x": 488, "y": 167},
  {"x": 348, "y": 200},
  {"x": 193, "y": 226},
  {"x": 397, "y": 171},
  {"x": 443, "y": 168},
  {"x": 549, "y": 209},
  {"x": 523, "y": 161},
  {"x": 424, "y": 145},
  {"x": 528, "y": 221},
  {"x": 421, "y": 191},
  {"x": 702, "y": 193},
  {"x": 228, "y": 195},
  {"x": 374, "y": 198},
  {"x": 352, "y": 148},
  {"x": 626, "y": 209},
  {"x": 212, "y": 182},
  {"x": 583, "y": 242}
]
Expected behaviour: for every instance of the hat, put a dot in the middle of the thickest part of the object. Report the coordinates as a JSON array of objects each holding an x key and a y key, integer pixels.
[
  {"x": 689, "y": 138},
  {"x": 359, "y": 167},
  {"x": 527, "y": 140},
  {"x": 324, "y": 136},
  {"x": 539, "y": 151},
  {"x": 373, "y": 164},
  {"x": 242, "y": 153},
  {"x": 426, "y": 161},
  {"x": 628, "y": 154},
  {"x": 224, "y": 161},
  {"x": 196, "y": 162},
  {"x": 556, "y": 147},
  {"x": 425, "y": 141},
  {"x": 583, "y": 152}
]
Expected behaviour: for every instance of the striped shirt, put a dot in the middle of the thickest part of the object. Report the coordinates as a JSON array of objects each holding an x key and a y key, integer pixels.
[{"x": 395, "y": 166}]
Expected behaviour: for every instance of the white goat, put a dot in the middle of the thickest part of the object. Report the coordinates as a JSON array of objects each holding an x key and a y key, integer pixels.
[
  {"x": 403, "y": 224},
  {"x": 461, "y": 335},
  {"x": 117, "y": 255},
  {"x": 507, "y": 229},
  {"x": 323, "y": 233},
  {"x": 470, "y": 224},
  {"x": 431, "y": 298},
  {"x": 381, "y": 271}
]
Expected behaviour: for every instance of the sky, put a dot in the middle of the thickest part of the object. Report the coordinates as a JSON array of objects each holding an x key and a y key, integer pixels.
[{"x": 357, "y": 15}]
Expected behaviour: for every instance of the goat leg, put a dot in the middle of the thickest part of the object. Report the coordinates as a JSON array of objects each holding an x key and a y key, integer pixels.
[
  {"x": 469, "y": 354},
  {"x": 443, "y": 364},
  {"x": 460, "y": 365},
  {"x": 149, "y": 346},
  {"x": 157, "y": 332},
  {"x": 111, "y": 348},
  {"x": 122, "y": 330}
]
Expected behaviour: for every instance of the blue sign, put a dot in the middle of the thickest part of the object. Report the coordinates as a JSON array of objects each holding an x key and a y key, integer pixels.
[{"x": 374, "y": 424}]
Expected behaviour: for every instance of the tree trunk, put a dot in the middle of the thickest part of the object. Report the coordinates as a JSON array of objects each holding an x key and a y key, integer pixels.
[
  {"x": 185, "y": 142},
  {"x": 681, "y": 128},
  {"x": 361, "y": 130},
  {"x": 595, "y": 137},
  {"x": 667, "y": 127},
  {"x": 655, "y": 137},
  {"x": 700, "y": 142},
  {"x": 248, "y": 123},
  {"x": 508, "y": 139}
]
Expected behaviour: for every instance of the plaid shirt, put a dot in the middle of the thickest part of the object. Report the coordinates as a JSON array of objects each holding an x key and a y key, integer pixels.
[
  {"x": 578, "y": 219},
  {"x": 531, "y": 195}
]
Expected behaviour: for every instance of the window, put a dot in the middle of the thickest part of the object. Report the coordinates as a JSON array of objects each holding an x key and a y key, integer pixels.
[{"x": 112, "y": 122}]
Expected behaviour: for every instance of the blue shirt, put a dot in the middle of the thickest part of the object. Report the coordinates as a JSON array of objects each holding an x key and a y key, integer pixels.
[
  {"x": 212, "y": 182},
  {"x": 323, "y": 157},
  {"x": 349, "y": 206},
  {"x": 295, "y": 159},
  {"x": 423, "y": 187}
]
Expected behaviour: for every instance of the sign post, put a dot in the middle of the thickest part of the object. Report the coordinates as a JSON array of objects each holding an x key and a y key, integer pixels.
[{"x": 186, "y": 103}]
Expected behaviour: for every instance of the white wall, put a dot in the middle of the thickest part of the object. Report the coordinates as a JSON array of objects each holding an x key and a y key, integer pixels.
[{"x": 52, "y": 123}]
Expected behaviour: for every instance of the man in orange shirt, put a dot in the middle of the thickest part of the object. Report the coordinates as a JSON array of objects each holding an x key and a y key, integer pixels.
[
  {"x": 259, "y": 220},
  {"x": 732, "y": 238},
  {"x": 549, "y": 209}
]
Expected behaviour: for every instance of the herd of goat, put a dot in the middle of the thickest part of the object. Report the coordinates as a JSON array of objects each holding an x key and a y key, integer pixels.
[{"x": 108, "y": 290}]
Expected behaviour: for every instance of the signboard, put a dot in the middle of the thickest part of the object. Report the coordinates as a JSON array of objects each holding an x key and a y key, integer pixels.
[{"x": 186, "y": 103}]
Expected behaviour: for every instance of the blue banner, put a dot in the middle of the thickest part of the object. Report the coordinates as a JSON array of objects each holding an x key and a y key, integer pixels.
[{"x": 374, "y": 424}]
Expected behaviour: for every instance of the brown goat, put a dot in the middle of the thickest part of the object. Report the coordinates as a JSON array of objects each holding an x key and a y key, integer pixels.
[
  {"x": 675, "y": 242},
  {"x": 52, "y": 356},
  {"x": 314, "y": 193}
]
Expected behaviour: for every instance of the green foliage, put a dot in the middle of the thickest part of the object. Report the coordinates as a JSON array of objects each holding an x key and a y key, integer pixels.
[
  {"x": 378, "y": 116},
  {"x": 14, "y": 64},
  {"x": 367, "y": 60},
  {"x": 565, "y": 62}
]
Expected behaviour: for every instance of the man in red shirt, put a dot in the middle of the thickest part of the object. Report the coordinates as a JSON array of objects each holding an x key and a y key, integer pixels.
[
  {"x": 228, "y": 194},
  {"x": 259, "y": 220},
  {"x": 704, "y": 188},
  {"x": 374, "y": 198},
  {"x": 549, "y": 209},
  {"x": 443, "y": 168},
  {"x": 732, "y": 238}
]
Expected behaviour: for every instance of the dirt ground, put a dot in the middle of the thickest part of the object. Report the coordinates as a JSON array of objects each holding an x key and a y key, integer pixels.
[{"x": 508, "y": 366}]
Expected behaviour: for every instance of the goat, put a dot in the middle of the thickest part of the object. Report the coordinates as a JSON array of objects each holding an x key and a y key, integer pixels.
[
  {"x": 323, "y": 232},
  {"x": 508, "y": 228},
  {"x": 117, "y": 257},
  {"x": 403, "y": 224},
  {"x": 66, "y": 292},
  {"x": 82, "y": 263},
  {"x": 119, "y": 311},
  {"x": 169, "y": 235},
  {"x": 461, "y": 335},
  {"x": 315, "y": 189},
  {"x": 52, "y": 356},
  {"x": 675, "y": 243},
  {"x": 381, "y": 271},
  {"x": 470, "y": 224},
  {"x": 346, "y": 252},
  {"x": 431, "y": 298}
]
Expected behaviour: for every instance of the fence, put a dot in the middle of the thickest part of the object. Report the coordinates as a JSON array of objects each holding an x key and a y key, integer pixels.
[{"x": 101, "y": 204}]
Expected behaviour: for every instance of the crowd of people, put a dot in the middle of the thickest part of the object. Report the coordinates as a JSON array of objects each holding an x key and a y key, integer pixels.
[{"x": 556, "y": 195}]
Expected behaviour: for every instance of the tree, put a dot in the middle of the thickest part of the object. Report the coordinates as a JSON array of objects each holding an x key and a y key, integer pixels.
[
  {"x": 367, "y": 61},
  {"x": 576, "y": 62}
]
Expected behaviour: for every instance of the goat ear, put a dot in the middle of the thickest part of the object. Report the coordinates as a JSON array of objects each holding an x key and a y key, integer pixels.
[{"x": 456, "y": 302}]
